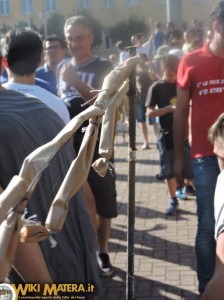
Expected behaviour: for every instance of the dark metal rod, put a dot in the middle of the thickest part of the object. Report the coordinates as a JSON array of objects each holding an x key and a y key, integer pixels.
[{"x": 130, "y": 282}]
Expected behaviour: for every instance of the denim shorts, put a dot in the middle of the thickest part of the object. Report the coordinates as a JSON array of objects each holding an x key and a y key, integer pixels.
[
  {"x": 141, "y": 116},
  {"x": 140, "y": 112}
]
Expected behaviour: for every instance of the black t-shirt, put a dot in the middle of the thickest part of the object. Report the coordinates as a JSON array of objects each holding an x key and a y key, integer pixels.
[
  {"x": 162, "y": 94},
  {"x": 92, "y": 73},
  {"x": 143, "y": 83}
]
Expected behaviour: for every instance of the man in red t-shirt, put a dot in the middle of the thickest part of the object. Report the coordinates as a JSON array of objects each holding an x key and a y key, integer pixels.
[{"x": 201, "y": 79}]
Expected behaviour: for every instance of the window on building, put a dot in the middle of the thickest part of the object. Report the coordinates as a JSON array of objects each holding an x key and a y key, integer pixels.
[
  {"x": 50, "y": 6},
  {"x": 27, "y": 7},
  {"x": 5, "y": 7},
  {"x": 107, "y": 41},
  {"x": 108, "y": 3},
  {"x": 132, "y": 2},
  {"x": 84, "y": 4}
]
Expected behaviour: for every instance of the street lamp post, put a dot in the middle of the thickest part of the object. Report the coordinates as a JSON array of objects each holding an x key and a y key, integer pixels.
[
  {"x": 45, "y": 24},
  {"x": 174, "y": 12},
  {"x": 27, "y": 13},
  {"x": 44, "y": 15}
]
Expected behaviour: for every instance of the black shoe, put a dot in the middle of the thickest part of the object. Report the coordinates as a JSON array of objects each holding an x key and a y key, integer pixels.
[
  {"x": 188, "y": 190},
  {"x": 160, "y": 177},
  {"x": 106, "y": 268}
]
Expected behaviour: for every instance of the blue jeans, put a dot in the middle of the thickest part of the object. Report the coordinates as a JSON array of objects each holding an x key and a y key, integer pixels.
[{"x": 206, "y": 171}]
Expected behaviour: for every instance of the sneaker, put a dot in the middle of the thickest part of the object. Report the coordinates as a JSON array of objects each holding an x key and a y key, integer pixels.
[
  {"x": 189, "y": 190},
  {"x": 173, "y": 208},
  {"x": 106, "y": 268},
  {"x": 180, "y": 194}
]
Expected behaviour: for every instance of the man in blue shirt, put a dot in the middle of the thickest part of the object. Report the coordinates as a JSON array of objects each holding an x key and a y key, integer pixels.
[
  {"x": 54, "y": 52},
  {"x": 159, "y": 37}
]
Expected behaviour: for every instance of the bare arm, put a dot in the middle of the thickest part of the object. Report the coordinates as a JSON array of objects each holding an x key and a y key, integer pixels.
[
  {"x": 215, "y": 287},
  {"x": 180, "y": 126},
  {"x": 154, "y": 112},
  {"x": 30, "y": 264}
]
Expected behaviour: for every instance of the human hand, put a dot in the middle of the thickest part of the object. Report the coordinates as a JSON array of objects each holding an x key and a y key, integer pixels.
[
  {"x": 172, "y": 108},
  {"x": 69, "y": 74},
  {"x": 179, "y": 170}
]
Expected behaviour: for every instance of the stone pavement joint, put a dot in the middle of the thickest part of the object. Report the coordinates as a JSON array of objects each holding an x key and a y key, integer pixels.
[{"x": 164, "y": 246}]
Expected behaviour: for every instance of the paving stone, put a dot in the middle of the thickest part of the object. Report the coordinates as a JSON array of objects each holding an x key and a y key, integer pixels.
[{"x": 164, "y": 262}]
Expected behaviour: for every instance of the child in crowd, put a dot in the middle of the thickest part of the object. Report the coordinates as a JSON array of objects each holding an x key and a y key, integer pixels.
[{"x": 163, "y": 95}]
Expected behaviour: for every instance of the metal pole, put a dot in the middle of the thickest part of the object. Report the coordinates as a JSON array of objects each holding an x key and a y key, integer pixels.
[
  {"x": 27, "y": 14},
  {"x": 174, "y": 12},
  {"x": 131, "y": 182},
  {"x": 45, "y": 25},
  {"x": 45, "y": 17}
]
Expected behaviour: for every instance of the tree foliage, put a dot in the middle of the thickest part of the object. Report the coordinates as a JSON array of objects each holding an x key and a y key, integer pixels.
[
  {"x": 5, "y": 28},
  {"x": 123, "y": 30},
  {"x": 97, "y": 28},
  {"x": 55, "y": 25},
  {"x": 30, "y": 24}
]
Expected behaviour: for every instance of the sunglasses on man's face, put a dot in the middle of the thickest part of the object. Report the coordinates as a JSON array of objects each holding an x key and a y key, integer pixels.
[{"x": 56, "y": 47}]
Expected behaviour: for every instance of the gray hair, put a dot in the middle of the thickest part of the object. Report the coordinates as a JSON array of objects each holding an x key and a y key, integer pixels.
[{"x": 78, "y": 20}]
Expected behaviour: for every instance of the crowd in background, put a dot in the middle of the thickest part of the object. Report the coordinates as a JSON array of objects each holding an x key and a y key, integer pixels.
[{"x": 52, "y": 81}]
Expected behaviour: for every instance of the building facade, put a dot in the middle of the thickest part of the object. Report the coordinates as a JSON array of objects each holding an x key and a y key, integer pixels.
[{"x": 108, "y": 12}]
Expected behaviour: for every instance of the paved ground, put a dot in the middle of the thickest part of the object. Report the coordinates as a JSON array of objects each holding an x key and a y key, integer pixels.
[{"x": 164, "y": 246}]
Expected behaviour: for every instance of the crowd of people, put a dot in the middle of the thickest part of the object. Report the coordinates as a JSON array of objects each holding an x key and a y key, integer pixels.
[
  {"x": 32, "y": 116},
  {"x": 179, "y": 92},
  {"x": 156, "y": 76}
]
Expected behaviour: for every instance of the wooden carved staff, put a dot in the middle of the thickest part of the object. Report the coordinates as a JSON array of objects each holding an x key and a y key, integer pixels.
[{"x": 14, "y": 199}]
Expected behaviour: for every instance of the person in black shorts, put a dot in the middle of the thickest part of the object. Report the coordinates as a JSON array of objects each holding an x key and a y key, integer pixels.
[
  {"x": 92, "y": 71},
  {"x": 163, "y": 95}
]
